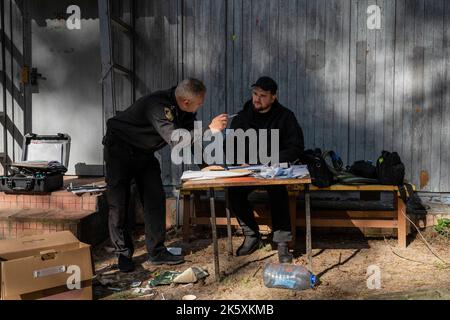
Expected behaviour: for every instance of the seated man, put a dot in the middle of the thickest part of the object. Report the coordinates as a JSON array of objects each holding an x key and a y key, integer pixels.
[{"x": 265, "y": 112}]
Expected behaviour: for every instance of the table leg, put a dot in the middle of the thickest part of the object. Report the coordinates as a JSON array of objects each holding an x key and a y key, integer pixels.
[
  {"x": 230, "y": 237},
  {"x": 214, "y": 235},
  {"x": 401, "y": 221},
  {"x": 308, "y": 227},
  {"x": 187, "y": 200},
  {"x": 293, "y": 196}
]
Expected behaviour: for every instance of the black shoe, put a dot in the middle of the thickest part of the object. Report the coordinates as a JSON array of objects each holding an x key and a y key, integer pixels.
[
  {"x": 125, "y": 264},
  {"x": 250, "y": 245},
  {"x": 284, "y": 256},
  {"x": 165, "y": 257}
]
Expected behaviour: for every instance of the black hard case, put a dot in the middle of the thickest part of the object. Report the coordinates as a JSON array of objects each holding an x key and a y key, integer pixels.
[{"x": 39, "y": 148}]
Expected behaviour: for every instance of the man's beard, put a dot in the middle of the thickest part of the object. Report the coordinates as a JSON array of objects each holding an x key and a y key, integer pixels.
[{"x": 261, "y": 109}]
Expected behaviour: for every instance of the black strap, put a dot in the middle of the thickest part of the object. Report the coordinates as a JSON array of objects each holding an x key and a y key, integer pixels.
[{"x": 406, "y": 191}]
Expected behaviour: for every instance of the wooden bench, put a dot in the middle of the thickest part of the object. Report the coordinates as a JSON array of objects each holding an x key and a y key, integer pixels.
[
  {"x": 337, "y": 218},
  {"x": 390, "y": 219}
]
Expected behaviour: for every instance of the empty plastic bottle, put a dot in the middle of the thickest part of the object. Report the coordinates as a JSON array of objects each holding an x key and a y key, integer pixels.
[{"x": 287, "y": 276}]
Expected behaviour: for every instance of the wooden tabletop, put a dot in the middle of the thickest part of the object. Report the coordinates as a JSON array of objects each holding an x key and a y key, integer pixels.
[{"x": 240, "y": 182}]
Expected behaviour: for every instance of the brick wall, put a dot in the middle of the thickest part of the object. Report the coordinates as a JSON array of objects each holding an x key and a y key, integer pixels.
[
  {"x": 10, "y": 229},
  {"x": 48, "y": 202},
  {"x": 25, "y": 215}
]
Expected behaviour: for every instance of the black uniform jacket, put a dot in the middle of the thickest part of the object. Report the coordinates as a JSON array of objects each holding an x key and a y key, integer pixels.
[
  {"x": 148, "y": 124},
  {"x": 279, "y": 117}
]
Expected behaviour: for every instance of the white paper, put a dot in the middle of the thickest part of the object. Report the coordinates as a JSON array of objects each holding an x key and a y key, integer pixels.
[{"x": 300, "y": 172}]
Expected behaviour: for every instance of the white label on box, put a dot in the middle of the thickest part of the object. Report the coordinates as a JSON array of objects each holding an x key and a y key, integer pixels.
[{"x": 49, "y": 272}]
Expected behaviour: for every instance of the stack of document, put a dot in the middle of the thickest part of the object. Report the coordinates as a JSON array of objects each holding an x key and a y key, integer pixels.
[{"x": 264, "y": 172}]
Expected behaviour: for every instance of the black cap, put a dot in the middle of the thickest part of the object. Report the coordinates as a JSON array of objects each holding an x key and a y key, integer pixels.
[{"x": 267, "y": 84}]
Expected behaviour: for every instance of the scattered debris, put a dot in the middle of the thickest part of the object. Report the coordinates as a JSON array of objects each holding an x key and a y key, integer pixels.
[
  {"x": 165, "y": 278},
  {"x": 144, "y": 291},
  {"x": 136, "y": 284},
  {"x": 105, "y": 281},
  {"x": 80, "y": 190},
  {"x": 115, "y": 289},
  {"x": 191, "y": 275}
]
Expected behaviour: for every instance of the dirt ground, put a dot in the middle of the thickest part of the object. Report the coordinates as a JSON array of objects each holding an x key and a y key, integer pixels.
[{"x": 340, "y": 261}]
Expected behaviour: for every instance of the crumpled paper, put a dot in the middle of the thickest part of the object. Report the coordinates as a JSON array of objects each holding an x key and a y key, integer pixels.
[
  {"x": 276, "y": 172},
  {"x": 191, "y": 275}
]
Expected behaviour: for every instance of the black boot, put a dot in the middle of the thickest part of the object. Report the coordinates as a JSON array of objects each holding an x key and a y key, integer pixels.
[
  {"x": 284, "y": 256},
  {"x": 165, "y": 257},
  {"x": 250, "y": 245},
  {"x": 125, "y": 264}
]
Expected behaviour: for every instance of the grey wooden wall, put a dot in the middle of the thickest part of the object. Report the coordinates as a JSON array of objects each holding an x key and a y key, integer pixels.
[{"x": 354, "y": 90}]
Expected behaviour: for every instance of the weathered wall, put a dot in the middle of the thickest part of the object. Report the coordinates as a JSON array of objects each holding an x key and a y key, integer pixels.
[
  {"x": 354, "y": 90},
  {"x": 70, "y": 100}
]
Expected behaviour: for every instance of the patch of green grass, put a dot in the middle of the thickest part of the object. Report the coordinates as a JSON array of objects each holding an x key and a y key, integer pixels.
[{"x": 443, "y": 227}]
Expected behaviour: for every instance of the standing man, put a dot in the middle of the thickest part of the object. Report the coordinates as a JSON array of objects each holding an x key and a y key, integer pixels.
[
  {"x": 264, "y": 111},
  {"x": 132, "y": 138}
]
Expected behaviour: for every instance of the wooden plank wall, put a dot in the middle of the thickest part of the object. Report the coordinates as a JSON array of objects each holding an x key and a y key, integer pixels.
[
  {"x": 158, "y": 58},
  {"x": 354, "y": 90}
]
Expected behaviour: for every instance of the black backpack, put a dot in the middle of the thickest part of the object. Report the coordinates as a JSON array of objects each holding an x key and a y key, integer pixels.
[
  {"x": 321, "y": 175},
  {"x": 390, "y": 169},
  {"x": 364, "y": 169},
  {"x": 335, "y": 165}
]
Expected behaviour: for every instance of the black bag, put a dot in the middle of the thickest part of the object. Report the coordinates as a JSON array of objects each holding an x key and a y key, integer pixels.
[
  {"x": 390, "y": 169},
  {"x": 321, "y": 175},
  {"x": 44, "y": 162},
  {"x": 364, "y": 169}
]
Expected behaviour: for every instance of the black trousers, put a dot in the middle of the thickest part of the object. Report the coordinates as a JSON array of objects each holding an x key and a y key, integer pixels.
[
  {"x": 279, "y": 209},
  {"x": 123, "y": 164}
]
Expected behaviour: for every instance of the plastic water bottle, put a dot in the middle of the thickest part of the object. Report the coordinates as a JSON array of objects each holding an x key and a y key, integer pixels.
[{"x": 285, "y": 276}]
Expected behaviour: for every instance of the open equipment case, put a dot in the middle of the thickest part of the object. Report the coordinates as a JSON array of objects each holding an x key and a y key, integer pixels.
[{"x": 45, "y": 159}]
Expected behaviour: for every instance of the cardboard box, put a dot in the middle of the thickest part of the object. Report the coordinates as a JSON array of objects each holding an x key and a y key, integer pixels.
[{"x": 47, "y": 267}]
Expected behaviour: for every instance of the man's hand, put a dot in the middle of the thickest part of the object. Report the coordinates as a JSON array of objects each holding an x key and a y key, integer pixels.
[{"x": 219, "y": 123}]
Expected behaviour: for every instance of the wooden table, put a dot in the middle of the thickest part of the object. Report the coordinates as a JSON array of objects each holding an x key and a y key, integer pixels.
[{"x": 213, "y": 185}]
